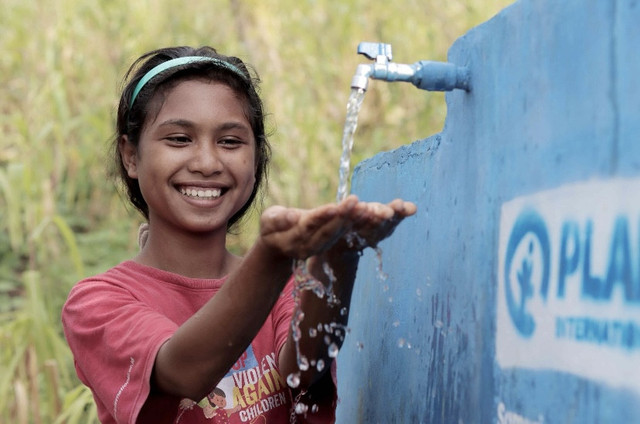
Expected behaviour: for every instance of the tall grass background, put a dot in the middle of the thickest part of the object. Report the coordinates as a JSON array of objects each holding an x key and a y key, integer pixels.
[{"x": 62, "y": 63}]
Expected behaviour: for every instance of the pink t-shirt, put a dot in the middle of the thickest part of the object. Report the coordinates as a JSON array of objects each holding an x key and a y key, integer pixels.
[{"x": 115, "y": 323}]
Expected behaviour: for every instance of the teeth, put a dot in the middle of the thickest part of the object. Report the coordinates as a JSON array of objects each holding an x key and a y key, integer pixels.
[{"x": 201, "y": 193}]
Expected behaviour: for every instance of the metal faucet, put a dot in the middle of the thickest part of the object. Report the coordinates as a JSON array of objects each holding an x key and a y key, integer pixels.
[{"x": 426, "y": 75}]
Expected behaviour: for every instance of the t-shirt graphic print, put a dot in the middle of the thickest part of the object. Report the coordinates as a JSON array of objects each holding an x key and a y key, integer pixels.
[{"x": 251, "y": 391}]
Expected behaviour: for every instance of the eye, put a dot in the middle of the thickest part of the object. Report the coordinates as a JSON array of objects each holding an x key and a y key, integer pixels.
[
  {"x": 230, "y": 142},
  {"x": 178, "y": 139}
]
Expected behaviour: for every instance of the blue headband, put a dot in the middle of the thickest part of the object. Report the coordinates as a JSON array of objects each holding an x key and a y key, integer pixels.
[{"x": 177, "y": 62}]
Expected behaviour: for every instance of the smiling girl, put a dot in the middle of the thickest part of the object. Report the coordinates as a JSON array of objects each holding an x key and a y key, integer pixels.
[{"x": 185, "y": 321}]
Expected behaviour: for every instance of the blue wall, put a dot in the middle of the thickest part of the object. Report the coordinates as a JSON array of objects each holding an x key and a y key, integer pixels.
[{"x": 545, "y": 148}]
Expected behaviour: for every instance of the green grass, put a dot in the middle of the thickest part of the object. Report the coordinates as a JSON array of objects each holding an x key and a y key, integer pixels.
[{"x": 61, "y": 218}]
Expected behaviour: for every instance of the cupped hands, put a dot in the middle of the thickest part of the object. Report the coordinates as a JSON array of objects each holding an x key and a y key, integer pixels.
[{"x": 301, "y": 233}]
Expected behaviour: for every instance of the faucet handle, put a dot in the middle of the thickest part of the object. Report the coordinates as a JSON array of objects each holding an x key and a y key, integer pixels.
[{"x": 375, "y": 51}]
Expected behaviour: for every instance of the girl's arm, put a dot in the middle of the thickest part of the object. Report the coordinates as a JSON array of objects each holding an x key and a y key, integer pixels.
[{"x": 208, "y": 344}]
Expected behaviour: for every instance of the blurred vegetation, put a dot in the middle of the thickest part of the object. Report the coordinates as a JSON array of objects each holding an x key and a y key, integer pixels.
[{"x": 61, "y": 217}]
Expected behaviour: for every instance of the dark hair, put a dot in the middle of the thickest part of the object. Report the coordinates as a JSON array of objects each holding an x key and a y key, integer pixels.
[
  {"x": 132, "y": 117},
  {"x": 218, "y": 392}
]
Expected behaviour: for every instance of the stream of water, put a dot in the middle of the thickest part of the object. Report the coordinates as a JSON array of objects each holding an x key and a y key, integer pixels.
[
  {"x": 305, "y": 281},
  {"x": 351, "y": 123}
]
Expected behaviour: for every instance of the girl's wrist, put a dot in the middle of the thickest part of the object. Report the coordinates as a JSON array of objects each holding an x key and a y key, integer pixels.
[{"x": 271, "y": 253}]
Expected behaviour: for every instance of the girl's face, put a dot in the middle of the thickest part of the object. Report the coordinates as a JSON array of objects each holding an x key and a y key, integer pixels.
[{"x": 195, "y": 161}]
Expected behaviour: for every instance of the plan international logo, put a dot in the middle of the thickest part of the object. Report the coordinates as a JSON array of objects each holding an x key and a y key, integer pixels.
[
  {"x": 569, "y": 282},
  {"x": 526, "y": 265}
]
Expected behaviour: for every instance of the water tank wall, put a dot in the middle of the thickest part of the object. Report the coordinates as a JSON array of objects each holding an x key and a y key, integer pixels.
[{"x": 513, "y": 296}]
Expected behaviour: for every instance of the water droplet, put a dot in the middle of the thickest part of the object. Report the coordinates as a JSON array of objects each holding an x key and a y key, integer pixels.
[
  {"x": 303, "y": 363},
  {"x": 319, "y": 291},
  {"x": 381, "y": 274},
  {"x": 333, "y": 350},
  {"x": 314, "y": 408},
  {"x": 320, "y": 365},
  {"x": 328, "y": 329},
  {"x": 301, "y": 408},
  {"x": 385, "y": 287},
  {"x": 438, "y": 324},
  {"x": 332, "y": 299},
  {"x": 293, "y": 380},
  {"x": 359, "y": 346},
  {"x": 418, "y": 292},
  {"x": 327, "y": 340},
  {"x": 396, "y": 323},
  {"x": 390, "y": 299},
  {"x": 400, "y": 342},
  {"x": 313, "y": 332},
  {"x": 329, "y": 272},
  {"x": 319, "y": 326},
  {"x": 344, "y": 311}
]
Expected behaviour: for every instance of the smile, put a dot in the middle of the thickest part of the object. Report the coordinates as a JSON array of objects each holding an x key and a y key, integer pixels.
[{"x": 200, "y": 193}]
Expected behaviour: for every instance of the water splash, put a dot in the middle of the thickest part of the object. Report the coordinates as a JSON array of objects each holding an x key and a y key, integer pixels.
[
  {"x": 381, "y": 274},
  {"x": 303, "y": 280},
  {"x": 332, "y": 299},
  {"x": 301, "y": 408}
]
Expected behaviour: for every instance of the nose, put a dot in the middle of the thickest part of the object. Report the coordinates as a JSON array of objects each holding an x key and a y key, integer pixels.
[{"x": 205, "y": 159}]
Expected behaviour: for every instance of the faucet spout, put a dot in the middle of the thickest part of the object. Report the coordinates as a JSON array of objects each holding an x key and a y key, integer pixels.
[
  {"x": 360, "y": 79},
  {"x": 426, "y": 75}
]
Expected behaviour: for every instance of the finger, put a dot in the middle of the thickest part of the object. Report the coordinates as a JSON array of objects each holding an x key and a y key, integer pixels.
[
  {"x": 403, "y": 208},
  {"x": 278, "y": 219},
  {"x": 315, "y": 218},
  {"x": 376, "y": 212},
  {"x": 328, "y": 234},
  {"x": 346, "y": 206}
]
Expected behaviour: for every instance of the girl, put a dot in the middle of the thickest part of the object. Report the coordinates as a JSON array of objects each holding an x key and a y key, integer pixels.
[{"x": 187, "y": 332}]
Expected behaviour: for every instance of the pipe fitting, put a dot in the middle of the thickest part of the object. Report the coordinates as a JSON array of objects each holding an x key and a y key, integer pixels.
[{"x": 426, "y": 75}]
